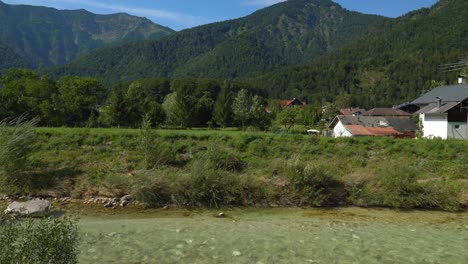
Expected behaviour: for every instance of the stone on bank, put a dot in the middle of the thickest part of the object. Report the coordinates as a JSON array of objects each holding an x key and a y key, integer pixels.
[{"x": 36, "y": 207}]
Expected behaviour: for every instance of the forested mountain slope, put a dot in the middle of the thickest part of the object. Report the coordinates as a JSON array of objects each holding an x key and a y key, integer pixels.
[
  {"x": 9, "y": 59},
  {"x": 292, "y": 32},
  {"x": 384, "y": 68},
  {"x": 45, "y": 36}
]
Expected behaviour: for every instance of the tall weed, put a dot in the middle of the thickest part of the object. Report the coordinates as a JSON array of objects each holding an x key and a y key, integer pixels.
[
  {"x": 17, "y": 144},
  {"x": 39, "y": 241}
]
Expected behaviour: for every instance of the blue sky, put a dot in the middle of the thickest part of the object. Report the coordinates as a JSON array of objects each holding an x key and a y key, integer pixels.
[{"x": 181, "y": 14}]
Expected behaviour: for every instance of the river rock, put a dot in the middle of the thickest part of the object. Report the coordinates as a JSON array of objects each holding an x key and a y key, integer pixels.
[
  {"x": 221, "y": 215},
  {"x": 125, "y": 200},
  {"x": 65, "y": 200},
  {"x": 36, "y": 207}
]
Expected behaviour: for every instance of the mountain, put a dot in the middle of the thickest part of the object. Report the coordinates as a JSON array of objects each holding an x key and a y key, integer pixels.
[
  {"x": 385, "y": 67},
  {"x": 289, "y": 33},
  {"x": 9, "y": 59},
  {"x": 46, "y": 36}
]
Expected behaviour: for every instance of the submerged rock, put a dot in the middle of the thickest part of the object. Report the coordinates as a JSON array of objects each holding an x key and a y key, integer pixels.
[
  {"x": 221, "y": 215},
  {"x": 36, "y": 207}
]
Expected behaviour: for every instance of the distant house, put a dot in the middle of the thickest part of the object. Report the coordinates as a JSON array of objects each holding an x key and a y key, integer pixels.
[
  {"x": 293, "y": 102},
  {"x": 407, "y": 107},
  {"x": 444, "y": 112},
  {"x": 385, "y": 112},
  {"x": 359, "y": 126},
  {"x": 351, "y": 111}
]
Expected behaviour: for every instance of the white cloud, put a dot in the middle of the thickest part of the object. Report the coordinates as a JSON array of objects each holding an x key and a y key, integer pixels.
[
  {"x": 181, "y": 19},
  {"x": 262, "y": 2}
]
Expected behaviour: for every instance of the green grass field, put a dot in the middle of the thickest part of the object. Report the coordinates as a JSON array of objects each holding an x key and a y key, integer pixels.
[{"x": 213, "y": 168}]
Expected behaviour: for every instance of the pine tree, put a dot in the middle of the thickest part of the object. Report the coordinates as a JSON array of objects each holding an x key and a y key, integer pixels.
[
  {"x": 222, "y": 109},
  {"x": 241, "y": 107}
]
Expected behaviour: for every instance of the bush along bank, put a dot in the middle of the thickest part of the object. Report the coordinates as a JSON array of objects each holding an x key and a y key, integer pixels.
[{"x": 201, "y": 168}]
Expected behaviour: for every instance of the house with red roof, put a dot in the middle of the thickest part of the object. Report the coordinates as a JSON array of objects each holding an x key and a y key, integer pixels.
[
  {"x": 379, "y": 126},
  {"x": 293, "y": 102}
]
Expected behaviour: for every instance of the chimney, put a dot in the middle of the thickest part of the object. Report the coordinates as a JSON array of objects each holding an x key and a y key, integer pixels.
[
  {"x": 461, "y": 79},
  {"x": 439, "y": 101}
]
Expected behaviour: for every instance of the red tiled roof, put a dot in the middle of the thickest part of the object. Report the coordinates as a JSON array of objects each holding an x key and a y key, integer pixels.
[
  {"x": 291, "y": 102},
  {"x": 359, "y": 130}
]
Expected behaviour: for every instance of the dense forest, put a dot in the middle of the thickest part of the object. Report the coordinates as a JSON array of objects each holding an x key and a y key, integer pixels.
[
  {"x": 384, "y": 67},
  {"x": 45, "y": 36},
  {"x": 9, "y": 59},
  {"x": 288, "y": 33}
]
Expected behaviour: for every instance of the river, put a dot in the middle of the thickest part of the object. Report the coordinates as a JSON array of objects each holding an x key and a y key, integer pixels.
[{"x": 344, "y": 235}]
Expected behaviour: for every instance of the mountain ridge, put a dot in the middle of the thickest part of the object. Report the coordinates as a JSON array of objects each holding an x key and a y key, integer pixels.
[
  {"x": 283, "y": 34},
  {"x": 45, "y": 36}
]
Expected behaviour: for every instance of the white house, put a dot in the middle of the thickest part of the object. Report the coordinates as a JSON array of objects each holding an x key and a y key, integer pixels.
[
  {"x": 380, "y": 126},
  {"x": 445, "y": 120},
  {"x": 444, "y": 112}
]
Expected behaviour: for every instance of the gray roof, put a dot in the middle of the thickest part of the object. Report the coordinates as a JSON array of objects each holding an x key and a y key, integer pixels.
[
  {"x": 385, "y": 112},
  {"x": 433, "y": 108},
  {"x": 402, "y": 124},
  {"x": 367, "y": 121},
  {"x": 449, "y": 93},
  {"x": 398, "y": 123}
]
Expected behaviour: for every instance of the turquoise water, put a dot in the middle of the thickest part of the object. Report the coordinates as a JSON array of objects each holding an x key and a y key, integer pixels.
[{"x": 350, "y": 235}]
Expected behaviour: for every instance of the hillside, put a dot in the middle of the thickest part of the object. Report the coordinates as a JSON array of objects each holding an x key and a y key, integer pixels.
[
  {"x": 46, "y": 36},
  {"x": 288, "y": 33},
  {"x": 9, "y": 59},
  {"x": 384, "y": 68}
]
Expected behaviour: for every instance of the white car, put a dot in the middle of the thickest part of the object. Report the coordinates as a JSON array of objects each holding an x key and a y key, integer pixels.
[{"x": 313, "y": 132}]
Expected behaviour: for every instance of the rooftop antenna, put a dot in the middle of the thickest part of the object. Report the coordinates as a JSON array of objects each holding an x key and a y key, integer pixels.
[{"x": 457, "y": 66}]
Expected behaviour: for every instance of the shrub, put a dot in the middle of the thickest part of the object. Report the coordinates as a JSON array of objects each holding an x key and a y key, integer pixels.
[
  {"x": 17, "y": 144},
  {"x": 396, "y": 186},
  {"x": 310, "y": 184},
  {"x": 258, "y": 147},
  {"x": 223, "y": 160},
  {"x": 153, "y": 190},
  {"x": 150, "y": 146},
  {"x": 39, "y": 241},
  {"x": 211, "y": 187}
]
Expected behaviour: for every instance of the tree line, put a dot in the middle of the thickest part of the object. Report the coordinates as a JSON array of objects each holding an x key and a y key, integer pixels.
[{"x": 84, "y": 102}]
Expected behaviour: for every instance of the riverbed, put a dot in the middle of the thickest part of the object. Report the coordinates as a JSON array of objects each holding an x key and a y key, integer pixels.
[{"x": 345, "y": 235}]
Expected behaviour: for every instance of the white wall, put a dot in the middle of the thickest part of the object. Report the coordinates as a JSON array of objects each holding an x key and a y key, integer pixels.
[
  {"x": 434, "y": 125},
  {"x": 340, "y": 131},
  {"x": 458, "y": 130}
]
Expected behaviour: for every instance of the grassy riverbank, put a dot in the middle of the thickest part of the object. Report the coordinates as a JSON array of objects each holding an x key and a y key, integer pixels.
[{"x": 203, "y": 168}]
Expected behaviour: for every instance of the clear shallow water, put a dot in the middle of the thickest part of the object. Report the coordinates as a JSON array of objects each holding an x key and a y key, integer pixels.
[{"x": 349, "y": 235}]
